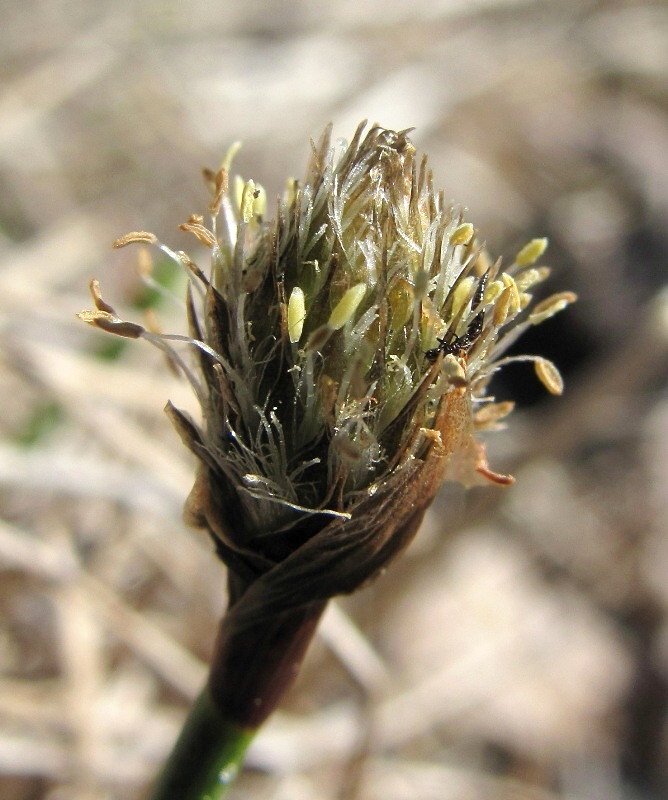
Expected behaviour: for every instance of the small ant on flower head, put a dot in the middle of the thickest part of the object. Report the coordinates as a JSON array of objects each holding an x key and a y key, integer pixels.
[{"x": 467, "y": 340}]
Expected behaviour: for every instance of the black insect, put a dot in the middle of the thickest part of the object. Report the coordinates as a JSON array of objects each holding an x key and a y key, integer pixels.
[{"x": 465, "y": 342}]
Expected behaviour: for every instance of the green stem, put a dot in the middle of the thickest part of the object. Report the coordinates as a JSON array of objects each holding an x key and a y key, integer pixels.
[{"x": 207, "y": 756}]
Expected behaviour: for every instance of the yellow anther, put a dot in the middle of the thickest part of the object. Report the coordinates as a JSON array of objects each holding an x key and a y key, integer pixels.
[
  {"x": 531, "y": 277},
  {"x": 551, "y": 305},
  {"x": 515, "y": 302},
  {"x": 462, "y": 234},
  {"x": 453, "y": 369},
  {"x": 531, "y": 252},
  {"x": 296, "y": 314},
  {"x": 549, "y": 376},
  {"x": 492, "y": 292},
  {"x": 525, "y": 300},
  {"x": 136, "y": 236},
  {"x": 491, "y": 413},
  {"x": 247, "y": 201},
  {"x": 346, "y": 306},
  {"x": 462, "y": 293},
  {"x": 501, "y": 307},
  {"x": 260, "y": 201}
]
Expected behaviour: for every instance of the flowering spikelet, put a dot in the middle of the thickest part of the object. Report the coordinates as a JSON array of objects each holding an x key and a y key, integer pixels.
[{"x": 344, "y": 352}]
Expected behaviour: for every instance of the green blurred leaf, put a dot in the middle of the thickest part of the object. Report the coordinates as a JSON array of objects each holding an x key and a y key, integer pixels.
[
  {"x": 165, "y": 275},
  {"x": 111, "y": 348},
  {"x": 44, "y": 418}
]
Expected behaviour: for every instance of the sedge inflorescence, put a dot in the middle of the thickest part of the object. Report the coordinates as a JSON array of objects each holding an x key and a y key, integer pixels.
[{"x": 344, "y": 348}]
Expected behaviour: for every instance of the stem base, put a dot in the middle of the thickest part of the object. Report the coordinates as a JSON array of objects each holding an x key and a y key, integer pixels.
[{"x": 207, "y": 756}]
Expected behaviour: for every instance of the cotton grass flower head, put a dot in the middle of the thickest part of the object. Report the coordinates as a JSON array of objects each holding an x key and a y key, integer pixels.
[{"x": 344, "y": 352}]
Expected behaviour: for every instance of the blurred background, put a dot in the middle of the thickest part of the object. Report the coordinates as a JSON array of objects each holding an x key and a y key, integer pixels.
[{"x": 520, "y": 648}]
